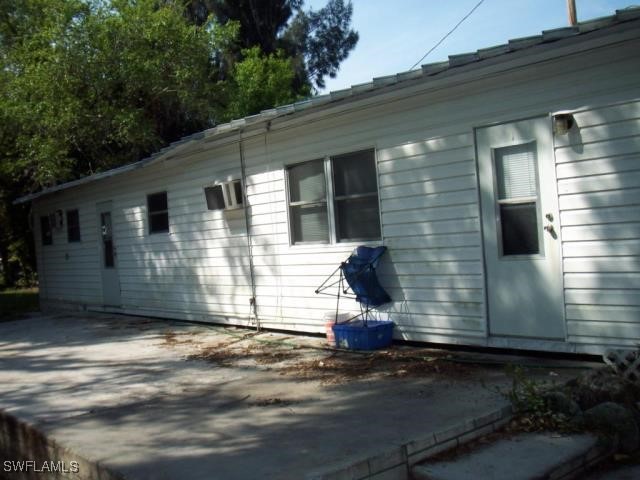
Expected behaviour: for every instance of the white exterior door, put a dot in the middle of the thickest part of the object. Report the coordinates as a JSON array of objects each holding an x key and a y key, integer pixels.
[
  {"x": 519, "y": 204},
  {"x": 108, "y": 257}
]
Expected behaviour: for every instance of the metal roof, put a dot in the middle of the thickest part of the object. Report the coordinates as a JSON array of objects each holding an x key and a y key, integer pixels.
[{"x": 356, "y": 91}]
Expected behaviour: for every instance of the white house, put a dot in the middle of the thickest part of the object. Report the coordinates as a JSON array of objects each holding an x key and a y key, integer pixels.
[{"x": 505, "y": 184}]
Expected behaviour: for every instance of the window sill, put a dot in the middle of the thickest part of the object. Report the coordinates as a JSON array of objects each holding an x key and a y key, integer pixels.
[{"x": 338, "y": 246}]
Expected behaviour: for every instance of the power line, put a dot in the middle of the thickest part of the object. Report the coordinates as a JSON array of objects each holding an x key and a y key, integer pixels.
[{"x": 450, "y": 32}]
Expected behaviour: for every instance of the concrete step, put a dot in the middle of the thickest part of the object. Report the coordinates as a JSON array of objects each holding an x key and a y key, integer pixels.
[
  {"x": 524, "y": 456},
  {"x": 624, "y": 472}
]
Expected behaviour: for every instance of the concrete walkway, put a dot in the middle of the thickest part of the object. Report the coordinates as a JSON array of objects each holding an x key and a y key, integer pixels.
[
  {"x": 159, "y": 400},
  {"x": 526, "y": 456}
]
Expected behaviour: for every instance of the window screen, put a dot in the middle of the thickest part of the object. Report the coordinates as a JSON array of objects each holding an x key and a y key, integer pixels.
[
  {"x": 354, "y": 173},
  {"x": 45, "y": 231},
  {"x": 307, "y": 183},
  {"x": 308, "y": 202},
  {"x": 358, "y": 218},
  {"x": 158, "y": 212},
  {"x": 73, "y": 226},
  {"x": 356, "y": 196}
]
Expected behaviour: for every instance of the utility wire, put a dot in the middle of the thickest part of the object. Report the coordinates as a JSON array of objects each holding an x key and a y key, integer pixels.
[{"x": 450, "y": 32}]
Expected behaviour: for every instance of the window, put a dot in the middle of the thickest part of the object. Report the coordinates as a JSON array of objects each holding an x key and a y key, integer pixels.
[
  {"x": 343, "y": 210},
  {"x": 45, "y": 231},
  {"x": 356, "y": 196},
  {"x": 517, "y": 186},
  {"x": 308, "y": 203},
  {"x": 158, "y": 212},
  {"x": 107, "y": 240},
  {"x": 73, "y": 226}
]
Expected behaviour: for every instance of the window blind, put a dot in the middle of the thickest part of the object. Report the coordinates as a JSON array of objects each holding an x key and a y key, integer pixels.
[
  {"x": 516, "y": 171},
  {"x": 310, "y": 223}
]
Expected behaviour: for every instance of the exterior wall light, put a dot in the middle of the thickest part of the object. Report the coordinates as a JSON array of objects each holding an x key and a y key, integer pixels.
[{"x": 562, "y": 123}]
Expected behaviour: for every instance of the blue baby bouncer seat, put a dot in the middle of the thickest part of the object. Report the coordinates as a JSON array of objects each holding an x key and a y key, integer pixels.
[{"x": 359, "y": 273}]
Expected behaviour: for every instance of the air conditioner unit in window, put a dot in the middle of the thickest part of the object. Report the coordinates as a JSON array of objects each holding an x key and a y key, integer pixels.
[{"x": 224, "y": 196}]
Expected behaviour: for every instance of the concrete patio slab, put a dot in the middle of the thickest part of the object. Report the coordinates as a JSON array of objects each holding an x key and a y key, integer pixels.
[{"x": 154, "y": 399}]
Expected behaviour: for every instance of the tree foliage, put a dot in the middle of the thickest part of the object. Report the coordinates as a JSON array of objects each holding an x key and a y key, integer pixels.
[
  {"x": 95, "y": 86},
  {"x": 260, "y": 81},
  {"x": 87, "y": 85},
  {"x": 315, "y": 41}
]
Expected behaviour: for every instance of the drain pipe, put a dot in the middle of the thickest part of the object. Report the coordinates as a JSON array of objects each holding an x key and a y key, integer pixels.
[{"x": 245, "y": 204}]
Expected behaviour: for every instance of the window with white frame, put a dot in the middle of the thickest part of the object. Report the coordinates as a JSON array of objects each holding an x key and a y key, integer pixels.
[
  {"x": 344, "y": 209},
  {"x": 158, "y": 212}
]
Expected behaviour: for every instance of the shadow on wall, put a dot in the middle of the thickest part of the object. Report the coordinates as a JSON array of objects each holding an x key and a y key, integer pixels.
[
  {"x": 203, "y": 269},
  {"x": 200, "y": 268},
  {"x": 599, "y": 188}
]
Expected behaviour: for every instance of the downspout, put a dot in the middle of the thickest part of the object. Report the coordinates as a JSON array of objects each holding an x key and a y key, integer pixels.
[{"x": 245, "y": 205}]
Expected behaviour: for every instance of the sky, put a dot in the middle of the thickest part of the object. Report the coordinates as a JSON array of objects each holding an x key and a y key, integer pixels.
[{"x": 395, "y": 34}]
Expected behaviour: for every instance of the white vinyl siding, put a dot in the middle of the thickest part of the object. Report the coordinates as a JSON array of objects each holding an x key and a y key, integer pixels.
[
  {"x": 199, "y": 270},
  {"x": 599, "y": 185},
  {"x": 431, "y": 225}
]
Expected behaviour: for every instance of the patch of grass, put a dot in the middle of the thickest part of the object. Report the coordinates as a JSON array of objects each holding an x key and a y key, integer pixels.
[
  {"x": 14, "y": 304},
  {"x": 533, "y": 411}
]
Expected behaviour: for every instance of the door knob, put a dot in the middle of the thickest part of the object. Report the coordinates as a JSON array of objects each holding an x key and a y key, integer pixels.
[{"x": 549, "y": 228}]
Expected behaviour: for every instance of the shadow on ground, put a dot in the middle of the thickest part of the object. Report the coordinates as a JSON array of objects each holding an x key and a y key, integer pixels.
[{"x": 162, "y": 400}]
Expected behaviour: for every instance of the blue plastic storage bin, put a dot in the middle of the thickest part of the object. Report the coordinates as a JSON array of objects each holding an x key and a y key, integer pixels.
[{"x": 358, "y": 336}]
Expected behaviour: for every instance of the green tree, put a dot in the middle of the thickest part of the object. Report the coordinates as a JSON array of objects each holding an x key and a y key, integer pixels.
[
  {"x": 260, "y": 81},
  {"x": 96, "y": 86},
  {"x": 316, "y": 41},
  {"x": 86, "y": 86}
]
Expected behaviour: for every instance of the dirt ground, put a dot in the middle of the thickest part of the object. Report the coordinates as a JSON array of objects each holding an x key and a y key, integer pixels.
[{"x": 312, "y": 359}]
